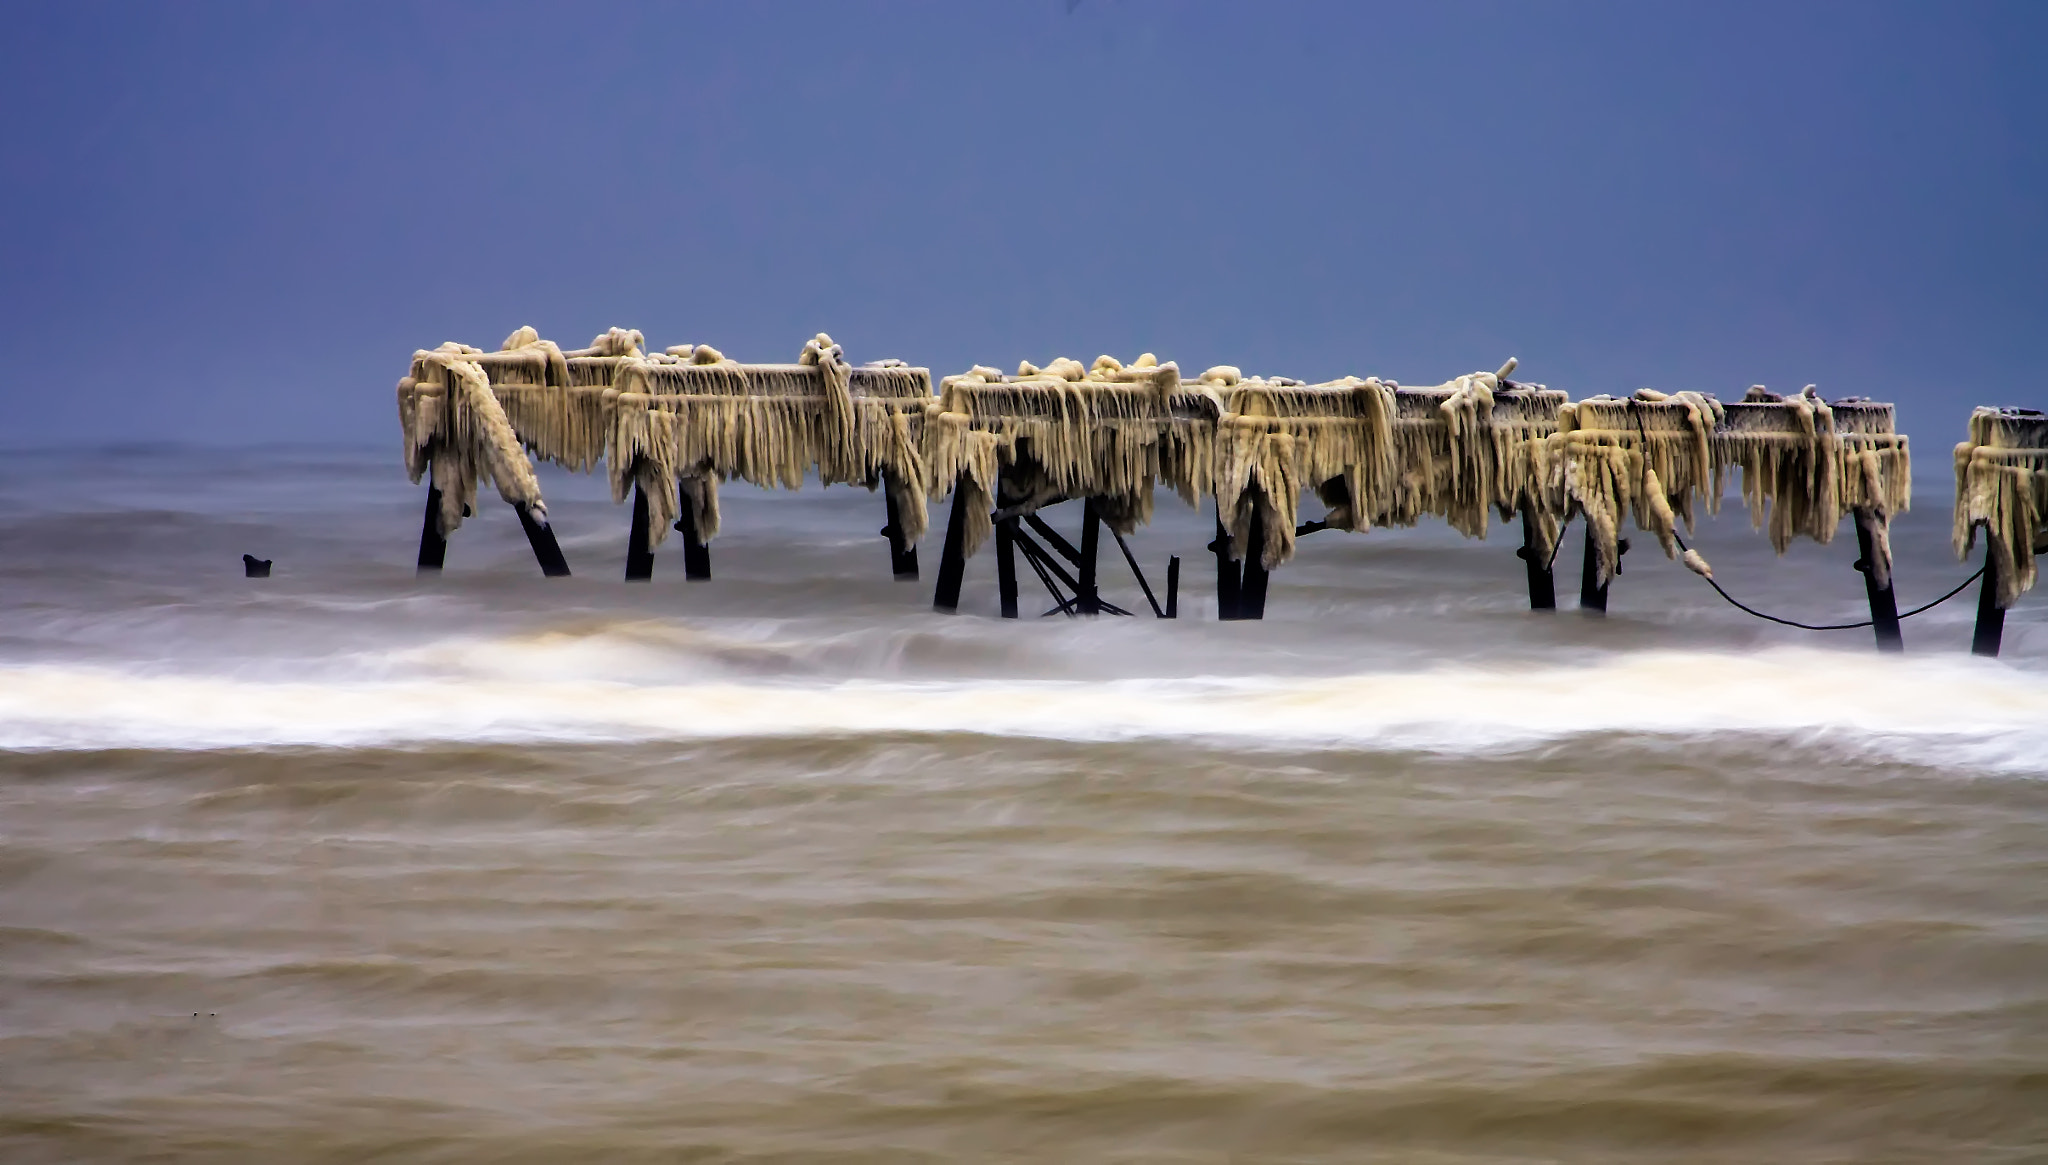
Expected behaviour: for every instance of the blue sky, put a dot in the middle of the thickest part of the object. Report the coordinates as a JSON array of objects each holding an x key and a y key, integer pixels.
[{"x": 225, "y": 222}]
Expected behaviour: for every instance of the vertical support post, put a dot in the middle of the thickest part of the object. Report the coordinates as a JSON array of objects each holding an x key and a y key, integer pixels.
[
  {"x": 639, "y": 555},
  {"x": 1006, "y": 566},
  {"x": 1228, "y": 578},
  {"x": 1592, "y": 592},
  {"x": 1884, "y": 606},
  {"x": 696, "y": 555},
  {"x": 1251, "y": 598},
  {"x": 1089, "y": 599},
  {"x": 1542, "y": 583},
  {"x": 1990, "y": 631},
  {"x": 546, "y": 550},
  {"x": 433, "y": 547},
  {"x": 952, "y": 563},
  {"x": 902, "y": 555},
  {"x": 1173, "y": 587}
]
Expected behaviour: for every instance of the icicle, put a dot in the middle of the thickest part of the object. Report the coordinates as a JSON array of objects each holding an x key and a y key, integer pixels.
[{"x": 2002, "y": 488}]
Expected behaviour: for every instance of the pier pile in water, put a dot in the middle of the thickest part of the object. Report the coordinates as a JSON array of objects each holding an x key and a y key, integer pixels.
[{"x": 2002, "y": 487}]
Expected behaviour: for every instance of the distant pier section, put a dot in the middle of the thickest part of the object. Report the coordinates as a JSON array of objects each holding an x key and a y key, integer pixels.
[{"x": 998, "y": 450}]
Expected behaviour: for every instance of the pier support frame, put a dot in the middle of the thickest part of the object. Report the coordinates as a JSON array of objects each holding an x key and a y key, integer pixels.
[
  {"x": 1990, "y": 630},
  {"x": 1251, "y": 595},
  {"x": 639, "y": 554},
  {"x": 1884, "y": 606},
  {"x": 1542, "y": 582},
  {"x": 902, "y": 555},
  {"x": 952, "y": 563},
  {"x": 1089, "y": 596},
  {"x": 541, "y": 537},
  {"x": 1592, "y": 592},
  {"x": 433, "y": 545},
  {"x": 1006, "y": 566},
  {"x": 1229, "y": 578},
  {"x": 696, "y": 555}
]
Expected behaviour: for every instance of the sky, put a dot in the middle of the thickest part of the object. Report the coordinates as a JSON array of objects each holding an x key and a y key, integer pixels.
[{"x": 232, "y": 223}]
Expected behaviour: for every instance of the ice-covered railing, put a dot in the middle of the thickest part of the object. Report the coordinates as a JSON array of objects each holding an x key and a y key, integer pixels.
[
  {"x": 1048, "y": 434},
  {"x": 693, "y": 416},
  {"x": 2002, "y": 490},
  {"x": 669, "y": 425},
  {"x": 1806, "y": 464}
]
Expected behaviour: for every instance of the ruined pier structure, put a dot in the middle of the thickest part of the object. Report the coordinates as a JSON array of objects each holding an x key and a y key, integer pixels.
[{"x": 668, "y": 426}]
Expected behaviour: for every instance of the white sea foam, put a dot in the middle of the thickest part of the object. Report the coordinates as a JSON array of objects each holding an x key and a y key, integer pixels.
[{"x": 1951, "y": 710}]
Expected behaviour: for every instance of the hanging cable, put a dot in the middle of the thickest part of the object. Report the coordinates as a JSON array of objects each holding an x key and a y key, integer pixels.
[{"x": 1642, "y": 431}]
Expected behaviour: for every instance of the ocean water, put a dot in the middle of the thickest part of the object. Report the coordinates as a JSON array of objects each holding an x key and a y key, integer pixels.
[{"x": 346, "y": 865}]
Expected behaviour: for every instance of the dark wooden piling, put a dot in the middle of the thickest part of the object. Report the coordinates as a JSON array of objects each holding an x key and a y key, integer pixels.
[
  {"x": 902, "y": 554},
  {"x": 1173, "y": 587},
  {"x": 1091, "y": 534},
  {"x": 1251, "y": 595},
  {"x": 1053, "y": 574},
  {"x": 639, "y": 548},
  {"x": 1006, "y": 566},
  {"x": 1229, "y": 579},
  {"x": 1884, "y": 606},
  {"x": 1592, "y": 592},
  {"x": 1990, "y": 632},
  {"x": 546, "y": 550},
  {"x": 1053, "y": 538},
  {"x": 696, "y": 555},
  {"x": 1137, "y": 572},
  {"x": 1542, "y": 583},
  {"x": 952, "y": 563},
  {"x": 433, "y": 546}
]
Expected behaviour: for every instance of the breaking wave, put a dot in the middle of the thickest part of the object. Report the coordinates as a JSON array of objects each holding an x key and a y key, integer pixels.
[{"x": 548, "y": 689}]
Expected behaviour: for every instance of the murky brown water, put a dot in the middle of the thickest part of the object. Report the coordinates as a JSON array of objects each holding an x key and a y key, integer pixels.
[{"x": 783, "y": 868}]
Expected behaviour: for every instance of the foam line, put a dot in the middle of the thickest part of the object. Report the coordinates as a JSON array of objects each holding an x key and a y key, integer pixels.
[{"x": 1953, "y": 710}]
